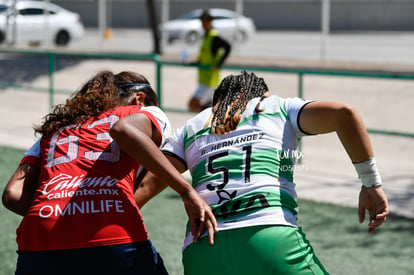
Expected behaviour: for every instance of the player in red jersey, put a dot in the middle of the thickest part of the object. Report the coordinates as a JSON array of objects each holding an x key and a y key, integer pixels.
[{"x": 75, "y": 186}]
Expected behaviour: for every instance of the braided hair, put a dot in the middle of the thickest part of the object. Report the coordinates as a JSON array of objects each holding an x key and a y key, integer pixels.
[{"x": 231, "y": 97}]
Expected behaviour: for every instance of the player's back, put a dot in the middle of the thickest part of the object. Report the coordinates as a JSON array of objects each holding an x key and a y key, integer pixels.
[{"x": 85, "y": 184}]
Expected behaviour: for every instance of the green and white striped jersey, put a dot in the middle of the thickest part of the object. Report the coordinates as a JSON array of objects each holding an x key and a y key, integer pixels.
[{"x": 246, "y": 175}]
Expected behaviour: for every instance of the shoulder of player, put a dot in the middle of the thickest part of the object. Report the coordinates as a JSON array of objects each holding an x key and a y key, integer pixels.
[
  {"x": 200, "y": 119},
  {"x": 132, "y": 109},
  {"x": 268, "y": 104}
]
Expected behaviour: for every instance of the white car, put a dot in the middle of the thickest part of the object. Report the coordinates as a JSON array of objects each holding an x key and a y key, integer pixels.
[
  {"x": 39, "y": 22},
  {"x": 229, "y": 24}
]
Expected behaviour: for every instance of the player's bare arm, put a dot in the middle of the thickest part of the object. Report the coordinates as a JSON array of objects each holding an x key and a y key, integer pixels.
[
  {"x": 150, "y": 186},
  {"x": 325, "y": 117},
  {"x": 19, "y": 191}
]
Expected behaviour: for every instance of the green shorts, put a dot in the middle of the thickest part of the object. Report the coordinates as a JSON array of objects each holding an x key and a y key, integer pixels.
[{"x": 253, "y": 250}]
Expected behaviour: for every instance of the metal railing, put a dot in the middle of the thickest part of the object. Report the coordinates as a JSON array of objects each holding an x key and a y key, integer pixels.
[{"x": 159, "y": 64}]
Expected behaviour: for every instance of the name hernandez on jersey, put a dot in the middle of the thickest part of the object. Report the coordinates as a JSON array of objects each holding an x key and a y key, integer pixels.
[{"x": 86, "y": 184}]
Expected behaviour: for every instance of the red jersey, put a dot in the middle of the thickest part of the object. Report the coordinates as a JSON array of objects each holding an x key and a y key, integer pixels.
[{"x": 86, "y": 185}]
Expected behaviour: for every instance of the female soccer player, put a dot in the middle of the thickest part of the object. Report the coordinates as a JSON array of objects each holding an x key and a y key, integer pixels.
[{"x": 241, "y": 156}]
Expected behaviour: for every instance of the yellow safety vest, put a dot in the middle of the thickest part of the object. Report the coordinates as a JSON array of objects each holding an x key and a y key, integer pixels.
[{"x": 206, "y": 76}]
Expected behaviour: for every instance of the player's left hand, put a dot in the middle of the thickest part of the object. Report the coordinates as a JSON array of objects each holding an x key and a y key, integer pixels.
[
  {"x": 375, "y": 202},
  {"x": 201, "y": 217}
]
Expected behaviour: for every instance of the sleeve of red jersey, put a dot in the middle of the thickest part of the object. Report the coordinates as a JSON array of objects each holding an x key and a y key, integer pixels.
[
  {"x": 33, "y": 155},
  {"x": 160, "y": 120}
]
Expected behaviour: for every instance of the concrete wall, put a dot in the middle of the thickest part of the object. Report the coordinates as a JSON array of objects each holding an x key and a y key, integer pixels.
[{"x": 267, "y": 14}]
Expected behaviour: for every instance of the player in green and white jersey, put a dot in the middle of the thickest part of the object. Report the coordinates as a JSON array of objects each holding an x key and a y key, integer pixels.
[{"x": 241, "y": 155}]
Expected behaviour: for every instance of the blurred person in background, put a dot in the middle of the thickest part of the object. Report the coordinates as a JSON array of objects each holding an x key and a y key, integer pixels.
[
  {"x": 241, "y": 154},
  {"x": 213, "y": 52},
  {"x": 75, "y": 185}
]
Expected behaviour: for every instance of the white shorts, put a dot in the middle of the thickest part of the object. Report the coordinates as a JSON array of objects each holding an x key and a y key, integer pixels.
[{"x": 204, "y": 94}]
